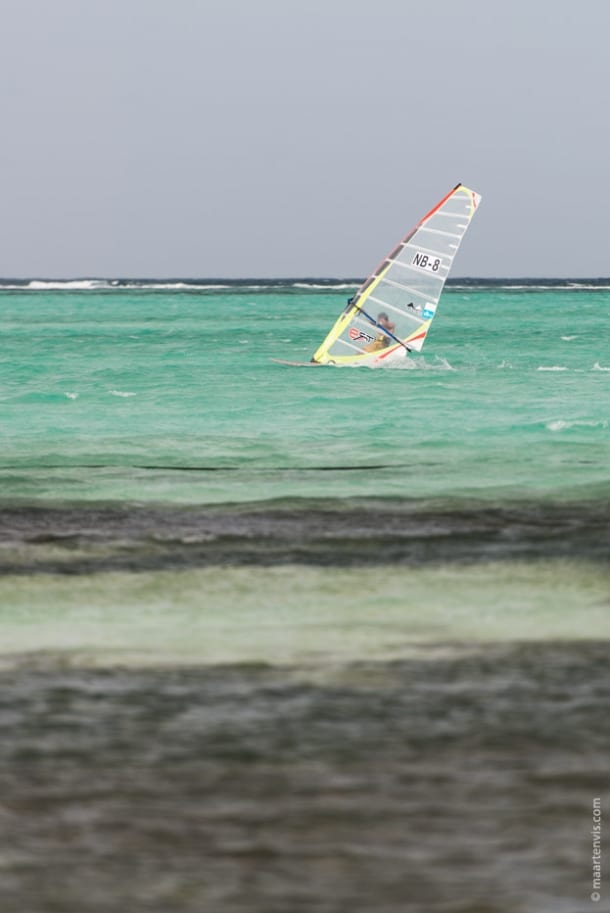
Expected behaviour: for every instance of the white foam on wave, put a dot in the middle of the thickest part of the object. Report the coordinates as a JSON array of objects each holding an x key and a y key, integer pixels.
[
  {"x": 72, "y": 395},
  {"x": 441, "y": 364},
  {"x": 416, "y": 364},
  {"x": 121, "y": 393},
  {"x": 80, "y": 284},
  {"x": 552, "y": 368},
  {"x": 45, "y": 285},
  {"x": 405, "y": 364},
  {"x": 598, "y": 367},
  {"x": 330, "y": 286},
  {"x": 564, "y": 424},
  {"x": 569, "y": 338},
  {"x": 174, "y": 286}
]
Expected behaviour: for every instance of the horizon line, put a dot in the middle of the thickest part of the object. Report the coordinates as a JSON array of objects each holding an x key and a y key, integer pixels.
[{"x": 85, "y": 277}]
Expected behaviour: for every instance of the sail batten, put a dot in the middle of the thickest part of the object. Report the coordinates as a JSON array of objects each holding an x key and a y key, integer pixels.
[
  {"x": 400, "y": 285},
  {"x": 392, "y": 310},
  {"x": 437, "y": 231},
  {"x": 391, "y": 307}
]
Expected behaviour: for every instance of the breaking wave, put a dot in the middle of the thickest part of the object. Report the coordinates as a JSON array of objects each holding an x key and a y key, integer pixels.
[{"x": 181, "y": 284}]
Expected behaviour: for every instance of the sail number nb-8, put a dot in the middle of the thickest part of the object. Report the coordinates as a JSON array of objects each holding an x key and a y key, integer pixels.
[{"x": 425, "y": 261}]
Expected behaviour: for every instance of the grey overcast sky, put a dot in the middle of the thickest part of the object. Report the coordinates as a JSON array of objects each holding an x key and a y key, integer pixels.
[{"x": 260, "y": 138}]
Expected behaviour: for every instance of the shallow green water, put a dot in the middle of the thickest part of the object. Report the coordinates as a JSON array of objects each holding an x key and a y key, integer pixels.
[
  {"x": 314, "y": 618},
  {"x": 108, "y": 395}
]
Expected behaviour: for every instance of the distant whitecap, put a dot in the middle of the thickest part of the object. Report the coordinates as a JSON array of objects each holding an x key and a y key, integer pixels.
[
  {"x": 65, "y": 284},
  {"x": 121, "y": 393},
  {"x": 561, "y": 424}
]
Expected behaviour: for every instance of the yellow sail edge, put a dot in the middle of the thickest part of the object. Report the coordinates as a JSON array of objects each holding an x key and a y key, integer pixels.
[{"x": 344, "y": 319}]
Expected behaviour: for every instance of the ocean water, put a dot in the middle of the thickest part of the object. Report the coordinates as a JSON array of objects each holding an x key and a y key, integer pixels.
[{"x": 293, "y": 638}]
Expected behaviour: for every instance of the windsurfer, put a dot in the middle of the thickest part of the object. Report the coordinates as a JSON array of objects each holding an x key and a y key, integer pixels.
[{"x": 383, "y": 340}]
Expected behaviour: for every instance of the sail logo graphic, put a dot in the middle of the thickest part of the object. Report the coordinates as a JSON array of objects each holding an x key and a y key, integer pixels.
[{"x": 356, "y": 335}]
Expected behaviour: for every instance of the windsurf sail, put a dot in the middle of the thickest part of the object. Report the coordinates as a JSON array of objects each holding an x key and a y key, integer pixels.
[{"x": 391, "y": 312}]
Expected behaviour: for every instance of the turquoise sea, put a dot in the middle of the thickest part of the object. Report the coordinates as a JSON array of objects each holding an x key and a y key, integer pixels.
[{"x": 284, "y": 638}]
